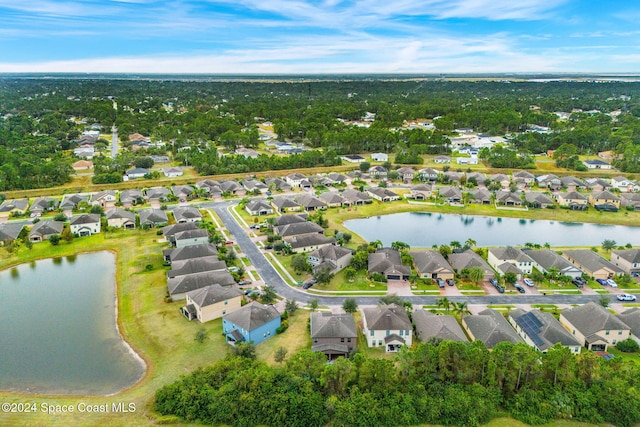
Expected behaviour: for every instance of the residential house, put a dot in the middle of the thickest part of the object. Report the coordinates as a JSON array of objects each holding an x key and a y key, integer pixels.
[
  {"x": 182, "y": 192},
  {"x": 153, "y": 218},
  {"x": 333, "y": 199},
  {"x": 477, "y": 177},
  {"x": 252, "y": 323},
  {"x": 285, "y": 204},
  {"x": 442, "y": 159},
  {"x": 277, "y": 184},
  {"x": 187, "y": 214},
  {"x": 387, "y": 326},
  {"x": 406, "y": 174},
  {"x": 232, "y": 188},
  {"x": 387, "y": 262},
  {"x": 172, "y": 172},
  {"x": 129, "y": 198},
  {"x": 255, "y": 185},
  {"x": 194, "y": 266},
  {"x": 627, "y": 259},
  {"x": 309, "y": 202},
  {"x": 450, "y": 194},
  {"x": 158, "y": 194},
  {"x": 306, "y": 185},
  {"x": 13, "y": 207},
  {"x": 331, "y": 257},
  {"x": 289, "y": 219},
  {"x": 378, "y": 172},
  {"x": 432, "y": 265},
  {"x": 308, "y": 242},
  {"x": 337, "y": 178},
  {"x": 199, "y": 236},
  {"x": 594, "y": 326},
  {"x": 631, "y": 318},
  {"x": 535, "y": 199},
  {"x": 542, "y": 331},
  {"x": 136, "y": 173},
  {"x": 179, "y": 286},
  {"x": 247, "y": 153},
  {"x": 524, "y": 177},
  {"x": 623, "y": 184},
  {"x": 211, "y": 187},
  {"x": 71, "y": 202},
  {"x": 356, "y": 197},
  {"x": 592, "y": 264},
  {"x": 380, "y": 157},
  {"x": 501, "y": 179},
  {"x": 573, "y": 200},
  {"x": 295, "y": 179},
  {"x": 428, "y": 174},
  {"x": 431, "y": 326},
  {"x": 490, "y": 327},
  {"x": 105, "y": 199},
  {"x": 630, "y": 201},
  {"x": 82, "y": 165},
  {"x": 382, "y": 194},
  {"x": 259, "y": 207},
  {"x": 509, "y": 255},
  {"x": 604, "y": 200},
  {"x": 596, "y": 164},
  {"x": 481, "y": 196},
  {"x": 9, "y": 232},
  {"x": 469, "y": 259},
  {"x": 335, "y": 335},
  {"x": 573, "y": 183},
  {"x": 120, "y": 218},
  {"x": 298, "y": 228},
  {"x": 353, "y": 158},
  {"x": 212, "y": 302},
  {"x": 508, "y": 198},
  {"x": 189, "y": 252},
  {"x": 549, "y": 181},
  {"x": 597, "y": 184},
  {"x": 85, "y": 224},
  {"x": 547, "y": 261},
  {"x": 44, "y": 229},
  {"x": 170, "y": 231},
  {"x": 453, "y": 177},
  {"x": 43, "y": 205},
  {"x": 420, "y": 191}
]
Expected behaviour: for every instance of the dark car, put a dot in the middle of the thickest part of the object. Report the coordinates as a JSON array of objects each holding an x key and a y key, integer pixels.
[
  {"x": 500, "y": 289},
  {"x": 603, "y": 282},
  {"x": 440, "y": 283},
  {"x": 578, "y": 283},
  {"x": 450, "y": 282},
  {"x": 309, "y": 283},
  {"x": 493, "y": 282},
  {"x": 519, "y": 287}
]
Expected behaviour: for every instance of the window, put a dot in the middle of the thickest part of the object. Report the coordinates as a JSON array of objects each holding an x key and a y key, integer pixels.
[
  {"x": 224, "y": 311},
  {"x": 341, "y": 339},
  {"x": 401, "y": 332},
  {"x": 226, "y": 302},
  {"x": 371, "y": 333},
  {"x": 379, "y": 342},
  {"x": 348, "y": 339},
  {"x": 619, "y": 332},
  {"x": 607, "y": 333},
  {"x": 614, "y": 342},
  {"x": 315, "y": 340},
  {"x": 388, "y": 332}
]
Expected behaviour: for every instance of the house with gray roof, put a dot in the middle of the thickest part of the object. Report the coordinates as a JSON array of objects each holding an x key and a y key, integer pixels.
[
  {"x": 334, "y": 335},
  {"x": 170, "y": 231},
  {"x": 252, "y": 323},
  {"x": 630, "y": 200},
  {"x": 85, "y": 224},
  {"x": 298, "y": 228},
  {"x": 195, "y": 265},
  {"x": 378, "y": 171},
  {"x": 160, "y": 194},
  {"x": 624, "y": 184},
  {"x": 542, "y": 331},
  {"x": 210, "y": 186},
  {"x": 189, "y": 252},
  {"x": 498, "y": 257},
  {"x": 573, "y": 200},
  {"x": 631, "y": 318},
  {"x": 481, "y": 196},
  {"x": 549, "y": 181},
  {"x": 524, "y": 177},
  {"x": 337, "y": 178},
  {"x": 604, "y": 200},
  {"x": 333, "y": 199},
  {"x": 592, "y": 264},
  {"x": 43, "y": 205},
  {"x": 428, "y": 174},
  {"x": 309, "y": 202},
  {"x": 508, "y": 198},
  {"x": 186, "y": 214},
  {"x": 627, "y": 259},
  {"x": 295, "y": 179},
  {"x": 136, "y": 173},
  {"x": 129, "y": 198},
  {"x": 478, "y": 177},
  {"x": 387, "y": 261},
  {"x": 450, "y": 194},
  {"x": 433, "y": 326},
  {"x": 71, "y": 201},
  {"x": 490, "y": 327},
  {"x": 387, "y": 326},
  {"x": 9, "y": 232},
  {"x": 259, "y": 207},
  {"x": 308, "y": 242},
  {"x": 469, "y": 259},
  {"x": 453, "y": 177},
  {"x": 420, "y": 191},
  {"x": 43, "y": 230},
  {"x": 356, "y": 197},
  {"x": 252, "y": 184},
  {"x": 596, "y": 184},
  {"x": 182, "y": 192},
  {"x": 105, "y": 199},
  {"x": 432, "y": 265},
  {"x": 290, "y": 219},
  {"x": 573, "y": 182},
  {"x": 277, "y": 184},
  {"x": 594, "y": 326},
  {"x": 382, "y": 194},
  {"x": 546, "y": 260},
  {"x": 212, "y": 302},
  {"x": 331, "y": 257},
  {"x": 198, "y": 236},
  {"x": 285, "y": 204},
  {"x": 501, "y": 179},
  {"x": 535, "y": 199},
  {"x": 153, "y": 218},
  {"x": 406, "y": 174},
  {"x": 172, "y": 172},
  {"x": 179, "y": 286}
]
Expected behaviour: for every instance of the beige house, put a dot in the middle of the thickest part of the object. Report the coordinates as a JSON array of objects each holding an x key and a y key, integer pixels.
[
  {"x": 573, "y": 200},
  {"x": 211, "y": 302},
  {"x": 387, "y": 326},
  {"x": 13, "y": 207},
  {"x": 120, "y": 218},
  {"x": 605, "y": 198},
  {"x": 627, "y": 259},
  {"x": 594, "y": 326},
  {"x": 432, "y": 265},
  {"x": 592, "y": 263}
]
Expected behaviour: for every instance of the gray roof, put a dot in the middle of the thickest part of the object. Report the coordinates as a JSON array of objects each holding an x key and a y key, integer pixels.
[
  {"x": 542, "y": 328},
  {"x": 429, "y": 325},
  {"x": 591, "y": 260},
  {"x": 117, "y": 213},
  {"x": 190, "y": 234},
  {"x": 102, "y": 194},
  {"x": 450, "y": 192},
  {"x": 196, "y": 265},
  {"x": 179, "y": 190},
  {"x": 491, "y": 327},
  {"x": 535, "y": 196},
  {"x": 44, "y": 203},
  {"x": 157, "y": 193},
  {"x": 430, "y": 261},
  {"x": 631, "y": 318},
  {"x": 298, "y": 228},
  {"x": 331, "y": 197},
  {"x": 190, "y": 252},
  {"x": 606, "y": 195},
  {"x": 10, "y": 231},
  {"x": 591, "y": 318},
  {"x": 469, "y": 259},
  {"x": 386, "y": 317},
  {"x": 382, "y": 192},
  {"x": 330, "y": 252},
  {"x": 183, "y": 284},
  {"x": 154, "y": 216},
  {"x": 573, "y": 195},
  {"x": 479, "y": 177},
  {"x": 480, "y": 194},
  {"x": 212, "y": 294},
  {"x": 252, "y": 316},
  {"x": 47, "y": 227},
  {"x": 355, "y": 196},
  {"x": 329, "y": 325},
  {"x": 11, "y": 204},
  {"x": 309, "y": 201},
  {"x": 386, "y": 260},
  {"x": 523, "y": 175},
  {"x": 290, "y": 219},
  {"x": 630, "y": 255},
  {"x": 306, "y": 240},
  {"x": 284, "y": 203},
  {"x": 230, "y": 186},
  {"x": 509, "y": 253},
  {"x": 71, "y": 201},
  {"x": 170, "y": 230},
  {"x": 84, "y": 219},
  {"x": 572, "y": 180},
  {"x": 258, "y": 205},
  {"x": 128, "y": 196},
  {"x": 548, "y": 259},
  {"x": 186, "y": 213},
  {"x": 138, "y": 171},
  {"x": 505, "y": 196}
]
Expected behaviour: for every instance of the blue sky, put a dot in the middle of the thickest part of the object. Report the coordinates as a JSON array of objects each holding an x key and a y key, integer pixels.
[{"x": 319, "y": 36}]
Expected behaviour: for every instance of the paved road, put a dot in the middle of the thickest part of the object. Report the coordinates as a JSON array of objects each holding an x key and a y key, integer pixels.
[
  {"x": 114, "y": 142},
  {"x": 271, "y": 277}
]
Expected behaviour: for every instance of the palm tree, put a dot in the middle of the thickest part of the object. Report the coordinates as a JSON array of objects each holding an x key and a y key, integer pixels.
[
  {"x": 444, "y": 303},
  {"x": 455, "y": 244},
  {"x": 469, "y": 243},
  {"x": 461, "y": 309}
]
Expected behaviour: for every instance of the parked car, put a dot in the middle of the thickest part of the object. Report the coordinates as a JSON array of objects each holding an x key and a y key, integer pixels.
[
  {"x": 612, "y": 283},
  {"x": 635, "y": 274},
  {"x": 602, "y": 282},
  {"x": 500, "y": 289},
  {"x": 519, "y": 287},
  {"x": 578, "y": 283},
  {"x": 626, "y": 297},
  {"x": 229, "y": 242},
  {"x": 309, "y": 283},
  {"x": 528, "y": 282},
  {"x": 450, "y": 282},
  {"x": 493, "y": 282},
  {"x": 233, "y": 269},
  {"x": 440, "y": 283},
  {"x": 244, "y": 282}
]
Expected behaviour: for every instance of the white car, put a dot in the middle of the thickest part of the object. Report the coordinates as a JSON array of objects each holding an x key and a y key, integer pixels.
[
  {"x": 626, "y": 297},
  {"x": 528, "y": 282},
  {"x": 612, "y": 283}
]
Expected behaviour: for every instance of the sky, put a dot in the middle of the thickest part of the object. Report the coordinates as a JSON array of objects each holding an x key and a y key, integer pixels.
[{"x": 319, "y": 36}]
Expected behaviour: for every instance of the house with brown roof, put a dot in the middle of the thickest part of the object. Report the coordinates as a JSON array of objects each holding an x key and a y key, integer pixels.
[
  {"x": 335, "y": 335},
  {"x": 212, "y": 302},
  {"x": 434, "y": 326},
  {"x": 387, "y": 262},
  {"x": 82, "y": 165},
  {"x": 594, "y": 326},
  {"x": 387, "y": 326},
  {"x": 431, "y": 264},
  {"x": 592, "y": 264}
]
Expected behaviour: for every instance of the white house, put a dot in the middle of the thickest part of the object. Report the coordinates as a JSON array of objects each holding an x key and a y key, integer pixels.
[
  {"x": 380, "y": 157},
  {"x": 387, "y": 326},
  {"x": 85, "y": 224}
]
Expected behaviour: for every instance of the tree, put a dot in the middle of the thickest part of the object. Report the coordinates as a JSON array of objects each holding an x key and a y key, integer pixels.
[
  {"x": 323, "y": 276},
  {"x": 55, "y": 240},
  {"x": 350, "y": 273},
  {"x": 280, "y": 355},
  {"x": 455, "y": 244},
  {"x": 469, "y": 243},
  {"x": 313, "y": 305},
  {"x": 300, "y": 264},
  {"x": 444, "y": 303},
  {"x": 628, "y": 346},
  {"x": 391, "y": 299},
  {"x": 66, "y": 234},
  {"x": 201, "y": 335},
  {"x": 608, "y": 244},
  {"x": 476, "y": 274},
  {"x": 244, "y": 349},
  {"x": 604, "y": 301},
  {"x": 510, "y": 278},
  {"x": 268, "y": 295},
  {"x": 364, "y": 166},
  {"x": 445, "y": 250},
  {"x": 461, "y": 309},
  {"x": 349, "y": 305},
  {"x": 399, "y": 246},
  {"x": 291, "y": 306}
]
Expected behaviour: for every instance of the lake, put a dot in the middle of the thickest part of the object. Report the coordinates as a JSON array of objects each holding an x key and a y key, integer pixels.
[
  {"x": 58, "y": 331},
  {"x": 424, "y": 229}
]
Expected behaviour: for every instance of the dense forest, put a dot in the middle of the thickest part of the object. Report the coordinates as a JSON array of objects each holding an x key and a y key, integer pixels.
[
  {"x": 41, "y": 118},
  {"x": 448, "y": 383}
]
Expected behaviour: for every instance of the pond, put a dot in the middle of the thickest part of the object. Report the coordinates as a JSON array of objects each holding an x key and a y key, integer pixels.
[
  {"x": 424, "y": 229},
  {"x": 58, "y": 332}
]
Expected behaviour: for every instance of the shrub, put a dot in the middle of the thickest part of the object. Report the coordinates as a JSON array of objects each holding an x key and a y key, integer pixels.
[
  {"x": 283, "y": 327},
  {"x": 628, "y": 346}
]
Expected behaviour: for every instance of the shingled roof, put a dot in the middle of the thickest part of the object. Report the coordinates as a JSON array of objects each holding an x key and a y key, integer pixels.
[
  {"x": 252, "y": 316},
  {"x": 386, "y": 317},
  {"x": 212, "y": 294},
  {"x": 329, "y": 325},
  {"x": 542, "y": 328},
  {"x": 591, "y": 318},
  {"x": 491, "y": 327},
  {"x": 430, "y": 325}
]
